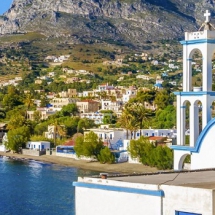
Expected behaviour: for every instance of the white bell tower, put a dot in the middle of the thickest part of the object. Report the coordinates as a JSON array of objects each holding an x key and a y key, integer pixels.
[{"x": 203, "y": 41}]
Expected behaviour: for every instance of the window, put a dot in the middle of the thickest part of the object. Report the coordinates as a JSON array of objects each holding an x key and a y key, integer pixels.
[{"x": 185, "y": 213}]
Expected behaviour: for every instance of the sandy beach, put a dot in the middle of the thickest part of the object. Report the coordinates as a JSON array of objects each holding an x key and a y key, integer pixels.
[{"x": 124, "y": 168}]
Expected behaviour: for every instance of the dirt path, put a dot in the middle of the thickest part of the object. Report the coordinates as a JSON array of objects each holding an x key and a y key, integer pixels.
[{"x": 96, "y": 166}]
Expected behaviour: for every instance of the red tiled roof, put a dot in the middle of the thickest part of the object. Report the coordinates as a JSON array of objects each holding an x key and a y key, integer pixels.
[
  {"x": 156, "y": 138},
  {"x": 69, "y": 143}
]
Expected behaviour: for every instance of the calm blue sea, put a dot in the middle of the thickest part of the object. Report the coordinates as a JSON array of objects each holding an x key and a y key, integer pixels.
[{"x": 34, "y": 188}]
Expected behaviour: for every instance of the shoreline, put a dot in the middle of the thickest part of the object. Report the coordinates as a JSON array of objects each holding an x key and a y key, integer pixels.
[{"x": 119, "y": 168}]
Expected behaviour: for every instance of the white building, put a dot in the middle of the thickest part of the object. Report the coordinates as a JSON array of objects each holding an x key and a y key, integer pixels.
[
  {"x": 185, "y": 193},
  {"x": 201, "y": 144},
  {"x": 108, "y": 135},
  {"x": 97, "y": 117},
  {"x": 129, "y": 93},
  {"x": 38, "y": 145},
  {"x": 115, "y": 106}
]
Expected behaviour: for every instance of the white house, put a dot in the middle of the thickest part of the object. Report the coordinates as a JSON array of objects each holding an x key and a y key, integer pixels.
[
  {"x": 38, "y": 145},
  {"x": 129, "y": 93},
  {"x": 115, "y": 106},
  {"x": 108, "y": 135},
  {"x": 97, "y": 117}
]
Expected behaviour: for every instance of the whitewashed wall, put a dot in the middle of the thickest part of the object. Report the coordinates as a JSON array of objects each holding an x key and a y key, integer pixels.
[
  {"x": 187, "y": 199},
  {"x": 96, "y": 201},
  {"x": 176, "y": 198}
]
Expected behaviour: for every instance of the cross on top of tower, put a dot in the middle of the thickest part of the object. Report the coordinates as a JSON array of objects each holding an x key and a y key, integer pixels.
[{"x": 207, "y": 15}]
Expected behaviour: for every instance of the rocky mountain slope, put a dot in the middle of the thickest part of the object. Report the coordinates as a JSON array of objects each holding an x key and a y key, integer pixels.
[{"x": 127, "y": 22}]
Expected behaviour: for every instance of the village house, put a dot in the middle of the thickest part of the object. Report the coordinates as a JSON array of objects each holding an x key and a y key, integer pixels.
[
  {"x": 87, "y": 106},
  {"x": 129, "y": 93},
  {"x": 144, "y": 77},
  {"x": 115, "y": 106},
  {"x": 38, "y": 81},
  {"x": 97, "y": 117},
  {"x": 58, "y": 103},
  {"x": 72, "y": 80},
  {"x": 70, "y": 93},
  {"x": 44, "y": 113},
  {"x": 108, "y": 136}
]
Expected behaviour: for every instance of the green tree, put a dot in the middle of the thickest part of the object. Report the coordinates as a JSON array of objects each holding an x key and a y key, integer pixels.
[
  {"x": 29, "y": 102},
  {"x": 163, "y": 157},
  {"x": 89, "y": 146},
  {"x": 37, "y": 116},
  {"x": 150, "y": 155},
  {"x": 106, "y": 156},
  {"x": 16, "y": 121},
  {"x": 59, "y": 130},
  {"x": 142, "y": 150},
  {"x": 162, "y": 99},
  {"x": 69, "y": 110},
  {"x": 17, "y": 138},
  {"x": 165, "y": 118},
  {"x": 84, "y": 124}
]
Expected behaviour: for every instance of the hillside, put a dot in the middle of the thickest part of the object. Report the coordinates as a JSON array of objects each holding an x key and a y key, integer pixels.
[{"x": 125, "y": 22}]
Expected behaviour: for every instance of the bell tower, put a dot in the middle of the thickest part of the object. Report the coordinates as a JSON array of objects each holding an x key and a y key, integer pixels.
[{"x": 203, "y": 41}]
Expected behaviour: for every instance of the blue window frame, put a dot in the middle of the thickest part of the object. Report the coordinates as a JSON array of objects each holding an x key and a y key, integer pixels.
[{"x": 185, "y": 213}]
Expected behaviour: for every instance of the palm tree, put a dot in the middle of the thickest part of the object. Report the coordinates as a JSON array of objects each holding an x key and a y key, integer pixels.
[
  {"x": 139, "y": 113},
  {"x": 142, "y": 115},
  {"x": 28, "y": 101},
  {"x": 128, "y": 121},
  {"x": 58, "y": 130}
]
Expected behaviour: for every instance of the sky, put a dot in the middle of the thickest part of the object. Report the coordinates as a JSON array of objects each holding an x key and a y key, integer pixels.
[{"x": 5, "y": 5}]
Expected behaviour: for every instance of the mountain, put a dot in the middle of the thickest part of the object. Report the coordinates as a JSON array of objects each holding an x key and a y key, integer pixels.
[{"x": 128, "y": 22}]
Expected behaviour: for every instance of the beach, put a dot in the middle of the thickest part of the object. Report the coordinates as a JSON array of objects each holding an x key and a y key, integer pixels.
[{"x": 123, "y": 168}]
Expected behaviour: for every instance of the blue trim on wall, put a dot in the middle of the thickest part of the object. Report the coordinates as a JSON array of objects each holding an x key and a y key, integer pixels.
[
  {"x": 199, "y": 140},
  {"x": 192, "y": 93},
  {"x": 185, "y": 213},
  {"x": 189, "y": 59},
  {"x": 198, "y": 41},
  {"x": 183, "y": 107},
  {"x": 119, "y": 189}
]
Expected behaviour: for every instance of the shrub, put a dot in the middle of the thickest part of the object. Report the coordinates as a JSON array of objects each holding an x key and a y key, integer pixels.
[{"x": 106, "y": 156}]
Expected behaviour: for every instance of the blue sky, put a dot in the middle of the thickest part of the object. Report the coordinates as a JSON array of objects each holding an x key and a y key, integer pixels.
[{"x": 5, "y": 5}]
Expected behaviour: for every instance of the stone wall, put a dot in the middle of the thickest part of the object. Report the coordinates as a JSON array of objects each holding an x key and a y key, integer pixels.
[{"x": 33, "y": 152}]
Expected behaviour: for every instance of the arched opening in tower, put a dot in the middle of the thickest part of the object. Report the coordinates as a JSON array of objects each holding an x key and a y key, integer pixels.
[
  {"x": 187, "y": 122},
  {"x": 196, "y": 62}
]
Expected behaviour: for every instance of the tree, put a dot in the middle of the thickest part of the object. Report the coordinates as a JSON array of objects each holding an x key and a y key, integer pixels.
[
  {"x": 106, "y": 156},
  {"x": 37, "y": 116},
  {"x": 17, "y": 138},
  {"x": 124, "y": 121},
  {"x": 141, "y": 149},
  {"x": 89, "y": 146},
  {"x": 163, "y": 157},
  {"x": 58, "y": 130},
  {"x": 16, "y": 121},
  {"x": 162, "y": 99},
  {"x": 150, "y": 155},
  {"x": 84, "y": 124},
  {"x": 69, "y": 110},
  {"x": 140, "y": 113},
  {"x": 165, "y": 118},
  {"x": 28, "y": 101}
]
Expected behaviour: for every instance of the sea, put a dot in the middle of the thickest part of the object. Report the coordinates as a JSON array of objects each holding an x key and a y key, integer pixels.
[{"x": 37, "y": 188}]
